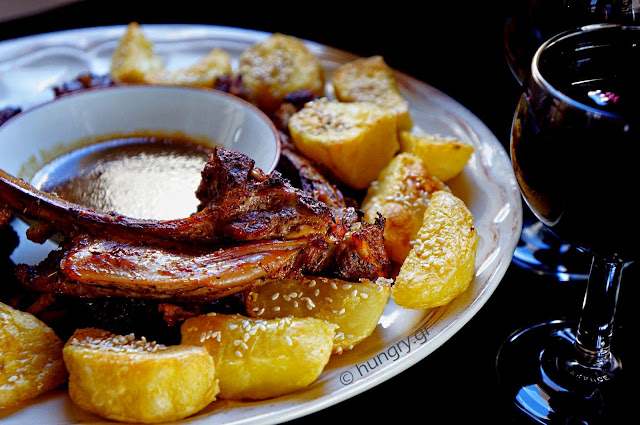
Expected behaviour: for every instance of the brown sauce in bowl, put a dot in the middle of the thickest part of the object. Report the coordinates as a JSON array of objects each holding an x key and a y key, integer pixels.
[{"x": 148, "y": 177}]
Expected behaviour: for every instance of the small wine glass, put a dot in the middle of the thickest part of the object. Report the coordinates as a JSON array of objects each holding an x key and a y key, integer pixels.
[
  {"x": 574, "y": 146},
  {"x": 529, "y": 24}
]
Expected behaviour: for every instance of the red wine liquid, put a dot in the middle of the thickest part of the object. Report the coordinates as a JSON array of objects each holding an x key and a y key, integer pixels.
[{"x": 578, "y": 163}]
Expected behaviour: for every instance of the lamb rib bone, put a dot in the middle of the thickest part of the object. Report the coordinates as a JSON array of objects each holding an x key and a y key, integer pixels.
[
  {"x": 93, "y": 268},
  {"x": 238, "y": 203}
]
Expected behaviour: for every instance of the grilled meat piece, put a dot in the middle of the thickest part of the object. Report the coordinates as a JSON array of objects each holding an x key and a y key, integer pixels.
[
  {"x": 97, "y": 267},
  {"x": 8, "y": 112},
  {"x": 238, "y": 203},
  {"x": 250, "y": 205},
  {"x": 250, "y": 227},
  {"x": 93, "y": 268},
  {"x": 82, "y": 82},
  {"x": 311, "y": 179}
]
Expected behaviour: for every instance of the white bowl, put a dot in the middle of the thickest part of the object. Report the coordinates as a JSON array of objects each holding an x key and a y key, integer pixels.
[
  {"x": 35, "y": 136},
  {"x": 35, "y": 139}
]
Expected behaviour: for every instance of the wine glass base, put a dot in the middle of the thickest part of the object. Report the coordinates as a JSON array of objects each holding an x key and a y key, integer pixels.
[
  {"x": 543, "y": 387},
  {"x": 541, "y": 252}
]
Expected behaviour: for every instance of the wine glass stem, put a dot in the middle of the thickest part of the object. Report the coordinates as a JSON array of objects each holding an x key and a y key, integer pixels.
[{"x": 593, "y": 338}]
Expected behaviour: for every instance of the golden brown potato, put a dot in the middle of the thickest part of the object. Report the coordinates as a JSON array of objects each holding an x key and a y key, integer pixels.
[
  {"x": 133, "y": 380},
  {"x": 259, "y": 359},
  {"x": 444, "y": 157},
  {"x": 356, "y": 307},
  {"x": 441, "y": 264},
  {"x": 277, "y": 66},
  {"x": 400, "y": 194},
  {"x": 30, "y": 357},
  {"x": 133, "y": 59},
  {"x": 203, "y": 73},
  {"x": 135, "y": 62},
  {"x": 371, "y": 80},
  {"x": 354, "y": 140}
]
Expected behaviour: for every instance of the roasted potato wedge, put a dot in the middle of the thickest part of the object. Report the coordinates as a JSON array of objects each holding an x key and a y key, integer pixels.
[
  {"x": 203, "y": 73},
  {"x": 400, "y": 194},
  {"x": 356, "y": 307},
  {"x": 30, "y": 357},
  {"x": 133, "y": 58},
  {"x": 371, "y": 80},
  {"x": 354, "y": 140},
  {"x": 444, "y": 157},
  {"x": 135, "y": 62},
  {"x": 277, "y": 66},
  {"x": 441, "y": 264},
  {"x": 259, "y": 359},
  {"x": 133, "y": 380}
]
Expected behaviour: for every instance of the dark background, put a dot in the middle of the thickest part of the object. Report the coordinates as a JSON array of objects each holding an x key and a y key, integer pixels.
[{"x": 457, "y": 47}]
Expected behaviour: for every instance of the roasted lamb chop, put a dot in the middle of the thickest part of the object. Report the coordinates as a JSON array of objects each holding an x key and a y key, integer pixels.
[{"x": 250, "y": 227}]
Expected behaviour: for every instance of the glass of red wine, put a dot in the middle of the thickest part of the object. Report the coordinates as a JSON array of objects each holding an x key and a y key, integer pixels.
[
  {"x": 575, "y": 142},
  {"x": 529, "y": 24}
]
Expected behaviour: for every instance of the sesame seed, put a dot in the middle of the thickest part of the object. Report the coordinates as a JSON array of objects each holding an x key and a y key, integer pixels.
[
  {"x": 354, "y": 293},
  {"x": 122, "y": 343},
  {"x": 342, "y": 310},
  {"x": 237, "y": 342},
  {"x": 363, "y": 295},
  {"x": 328, "y": 299},
  {"x": 333, "y": 285},
  {"x": 276, "y": 308},
  {"x": 346, "y": 286},
  {"x": 295, "y": 303},
  {"x": 275, "y": 296},
  {"x": 238, "y": 353},
  {"x": 288, "y": 341},
  {"x": 312, "y": 284},
  {"x": 316, "y": 292},
  {"x": 293, "y": 295}
]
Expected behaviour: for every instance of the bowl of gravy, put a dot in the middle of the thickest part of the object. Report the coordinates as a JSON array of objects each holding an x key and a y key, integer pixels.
[{"x": 137, "y": 150}]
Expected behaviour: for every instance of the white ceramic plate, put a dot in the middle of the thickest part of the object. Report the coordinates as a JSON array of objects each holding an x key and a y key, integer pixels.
[{"x": 30, "y": 66}]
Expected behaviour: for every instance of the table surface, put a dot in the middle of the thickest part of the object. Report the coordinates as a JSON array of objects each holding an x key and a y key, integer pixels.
[{"x": 457, "y": 48}]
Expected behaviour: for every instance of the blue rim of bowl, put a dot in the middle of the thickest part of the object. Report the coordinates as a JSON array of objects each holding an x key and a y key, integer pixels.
[
  {"x": 213, "y": 91},
  {"x": 540, "y": 80}
]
